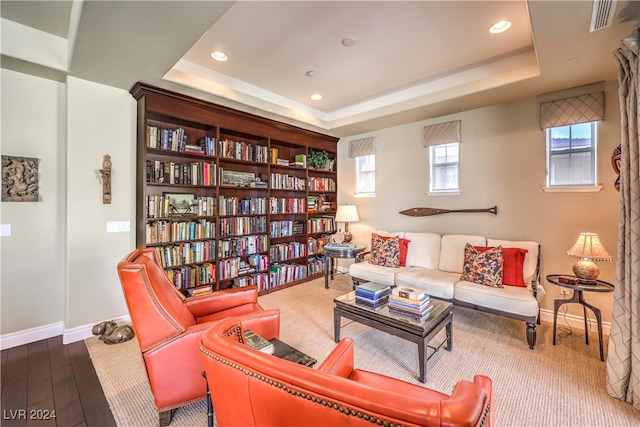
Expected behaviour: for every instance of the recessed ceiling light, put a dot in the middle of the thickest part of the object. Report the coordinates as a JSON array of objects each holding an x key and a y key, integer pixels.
[
  {"x": 310, "y": 73},
  {"x": 316, "y": 97},
  {"x": 219, "y": 56},
  {"x": 500, "y": 27}
]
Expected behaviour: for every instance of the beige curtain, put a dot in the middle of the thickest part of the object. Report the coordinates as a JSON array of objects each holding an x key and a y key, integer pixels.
[{"x": 623, "y": 361}]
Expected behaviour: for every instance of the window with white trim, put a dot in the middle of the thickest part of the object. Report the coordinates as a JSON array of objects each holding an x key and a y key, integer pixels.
[
  {"x": 444, "y": 167},
  {"x": 364, "y": 153},
  {"x": 572, "y": 154}
]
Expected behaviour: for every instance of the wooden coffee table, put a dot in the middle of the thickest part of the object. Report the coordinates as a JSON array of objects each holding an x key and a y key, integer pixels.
[{"x": 420, "y": 333}]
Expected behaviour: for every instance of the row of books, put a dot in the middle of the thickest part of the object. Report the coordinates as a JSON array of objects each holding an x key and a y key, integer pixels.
[
  {"x": 279, "y": 274},
  {"x": 240, "y": 150},
  {"x": 286, "y": 251},
  {"x": 322, "y": 184},
  {"x": 186, "y": 253},
  {"x": 283, "y": 205},
  {"x": 372, "y": 295},
  {"x": 324, "y": 224},
  {"x": 411, "y": 303},
  {"x": 236, "y": 226},
  {"x": 261, "y": 280},
  {"x": 228, "y": 205},
  {"x": 192, "y": 276},
  {"x": 244, "y": 245},
  {"x": 163, "y": 231},
  {"x": 193, "y": 173},
  {"x": 285, "y": 228},
  {"x": 280, "y": 181}
]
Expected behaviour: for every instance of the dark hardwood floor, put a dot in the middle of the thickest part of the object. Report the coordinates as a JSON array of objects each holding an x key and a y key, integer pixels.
[{"x": 47, "y": 383}]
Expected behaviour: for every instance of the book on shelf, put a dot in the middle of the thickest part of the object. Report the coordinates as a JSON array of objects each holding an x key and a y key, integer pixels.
[
  {"x": 372, "y": 288},
  {"x": 406, "y": 292},
  {"x": 302, "y": 159},
  {"x": 259, "y": 343}
]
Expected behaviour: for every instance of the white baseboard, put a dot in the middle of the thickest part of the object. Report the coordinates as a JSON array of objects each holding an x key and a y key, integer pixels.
[
  {"x": 574, "y": 321},
  {"x": 39, "y": 333}
]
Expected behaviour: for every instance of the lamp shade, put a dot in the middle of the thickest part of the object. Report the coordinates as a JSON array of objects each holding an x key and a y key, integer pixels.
[
  {"x": 347, "y": 213},
  {"x": 588, "y": 246}
]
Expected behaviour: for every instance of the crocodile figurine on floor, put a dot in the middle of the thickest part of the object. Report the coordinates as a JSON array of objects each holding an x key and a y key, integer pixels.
[{"x": 110, "y": 333}]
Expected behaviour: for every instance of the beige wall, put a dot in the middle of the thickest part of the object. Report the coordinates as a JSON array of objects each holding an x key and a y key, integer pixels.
[{"x": 502, "y": 163}]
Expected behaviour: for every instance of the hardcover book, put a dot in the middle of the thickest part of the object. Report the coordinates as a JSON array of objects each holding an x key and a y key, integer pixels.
[
  {"x": 256, "y": 341},
  {"x": 405, "y": 292},
  {"x": 372, "y": 288}
]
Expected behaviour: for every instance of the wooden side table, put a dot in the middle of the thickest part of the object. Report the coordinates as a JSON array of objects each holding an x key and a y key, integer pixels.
[
  {"x": 332, "y": 252},
  {"x": 578, "y": 297}
]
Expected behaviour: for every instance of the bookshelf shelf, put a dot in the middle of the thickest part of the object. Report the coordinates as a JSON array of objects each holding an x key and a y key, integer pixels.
[{"x": 242, "y": 178}]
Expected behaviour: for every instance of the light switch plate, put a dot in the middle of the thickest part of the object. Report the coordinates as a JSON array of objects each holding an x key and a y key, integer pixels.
[
  {"x": 5, "y": 230},
  {"x": 118, "y": 226}
]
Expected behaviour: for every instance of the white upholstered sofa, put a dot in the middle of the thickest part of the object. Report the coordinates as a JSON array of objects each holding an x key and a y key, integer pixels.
[{"x": 434, "y": 263}]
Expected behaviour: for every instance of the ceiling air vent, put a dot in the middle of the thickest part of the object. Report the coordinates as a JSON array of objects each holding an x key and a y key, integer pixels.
[{"x": 602, "y": 14}]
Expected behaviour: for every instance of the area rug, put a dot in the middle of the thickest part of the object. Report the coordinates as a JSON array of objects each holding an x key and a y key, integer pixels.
[{"x": 561, "y": 385}]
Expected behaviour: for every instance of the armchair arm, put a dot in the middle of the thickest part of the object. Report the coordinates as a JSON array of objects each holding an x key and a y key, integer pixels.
[
  {"x": 203, "y": 305},
  {"x": 471, "y": 403},
  {"x": 340, "y": 361},
  {"x": 362, "y": 256}
]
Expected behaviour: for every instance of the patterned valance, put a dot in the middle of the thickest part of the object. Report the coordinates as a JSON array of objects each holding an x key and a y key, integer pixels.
[
  {"x": 443, "y": 133},
  {"x": 362, "y": 147},
  {"x": 571, "y": 111}
]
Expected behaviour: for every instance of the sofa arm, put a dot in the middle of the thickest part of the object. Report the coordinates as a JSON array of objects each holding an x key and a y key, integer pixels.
[
  {"x": 340, "y": 360},
  {"x": 203, "y": 305}
]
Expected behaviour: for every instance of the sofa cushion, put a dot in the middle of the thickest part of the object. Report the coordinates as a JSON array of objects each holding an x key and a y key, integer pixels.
[
  {"x": 436, "y": 283},
  {"x": 510, "y": 299},
  {"x": 483, "y": 267},
  {"x": 452, "y": 250},
  {"x": 530, "y": 260},
  {"x": 424, "y": 250},
  {"x": 368, "y": 272},
  {"x": 513, "y": 259},
  {"x": 404, "y": 248},
  {"x": 385, "y": 251}
]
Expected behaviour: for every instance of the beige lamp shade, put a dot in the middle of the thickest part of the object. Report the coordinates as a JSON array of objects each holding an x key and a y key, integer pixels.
[
  {"x": 588, "y": 248},
  {"x": 347, "y": 214}
]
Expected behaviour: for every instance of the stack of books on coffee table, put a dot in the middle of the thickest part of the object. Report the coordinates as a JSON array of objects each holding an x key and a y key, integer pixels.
[
  {"x": 410, "y": 303},
  {"x": 372, "y": 295}
]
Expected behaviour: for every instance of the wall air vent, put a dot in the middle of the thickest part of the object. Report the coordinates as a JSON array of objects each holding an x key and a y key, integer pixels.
[{"x": 602, "y": 14}]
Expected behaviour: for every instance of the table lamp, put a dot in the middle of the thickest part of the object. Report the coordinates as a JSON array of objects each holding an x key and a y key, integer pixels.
[
  {"x": 347, "y": 214},
  {"x": 588, "y": 248}
]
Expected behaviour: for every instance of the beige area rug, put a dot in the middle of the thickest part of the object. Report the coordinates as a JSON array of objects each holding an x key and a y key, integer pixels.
[{"x": 561, "y": 385}]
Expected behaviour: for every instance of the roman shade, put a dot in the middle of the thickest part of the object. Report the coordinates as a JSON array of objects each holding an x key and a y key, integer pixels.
[
  {"x": 443, "y": 133},
  {"x": 362, "y": 147},
  {"x": 573, "y": 110}
]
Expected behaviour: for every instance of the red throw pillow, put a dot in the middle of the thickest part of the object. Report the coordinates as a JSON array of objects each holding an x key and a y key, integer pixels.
[
  {"x": 404, "y": 247},
  {"x": 513, "y": 269}
]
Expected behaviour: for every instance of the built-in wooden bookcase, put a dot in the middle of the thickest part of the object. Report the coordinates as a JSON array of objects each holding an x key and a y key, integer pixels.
[{"x": 226, "y": 197}]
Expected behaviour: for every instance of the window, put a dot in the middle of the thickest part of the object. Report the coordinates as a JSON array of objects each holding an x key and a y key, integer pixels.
[
  {"x": 444, "y": 167},
  {"x": 571, "y": 155},
  {"x": 364, "y": 152},
  {"x": 366, "y": 174}
]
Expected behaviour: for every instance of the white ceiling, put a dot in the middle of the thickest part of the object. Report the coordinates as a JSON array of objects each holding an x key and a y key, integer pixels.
[{"x": 411, "y": 60}]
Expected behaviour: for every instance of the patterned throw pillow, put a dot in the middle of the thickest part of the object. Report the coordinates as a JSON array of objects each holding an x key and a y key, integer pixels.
[
  {"x": 385, "y": 252},
  {"x": 484, "y": 268}
]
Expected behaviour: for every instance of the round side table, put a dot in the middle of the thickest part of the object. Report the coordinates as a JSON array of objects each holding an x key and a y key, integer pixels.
[
  {"x": 578, "y": 297},
  {"x": 332, "y": 252}
]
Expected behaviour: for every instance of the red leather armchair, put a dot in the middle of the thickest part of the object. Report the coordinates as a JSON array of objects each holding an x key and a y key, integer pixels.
[
  {"x": 251, "y": 388},
  {"x": 168, "y": 327}
]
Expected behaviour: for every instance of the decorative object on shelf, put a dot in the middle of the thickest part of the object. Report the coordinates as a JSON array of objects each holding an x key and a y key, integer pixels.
[
  {"x": 181, "y": 204},
  {"x": 237, "y": 178},
  {"x": 588, "y": 248},
  {"x": 338, "y": 237},
  {"x": 106, "y": 179},
  {"x": 317, "y": 159},
  {"x": 20, "y": 179},
  {"x": 347, "y": 214},
  {"x": 436, "y": 211}
]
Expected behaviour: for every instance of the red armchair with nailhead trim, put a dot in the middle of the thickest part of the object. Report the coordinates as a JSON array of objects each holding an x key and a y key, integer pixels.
[
  {"x": 169, "y": 326},
  {"x": 252, "y": 388}
]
